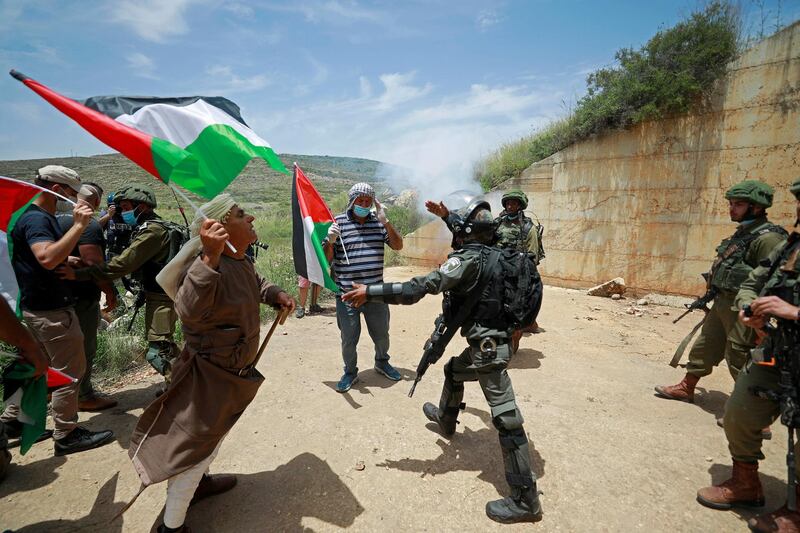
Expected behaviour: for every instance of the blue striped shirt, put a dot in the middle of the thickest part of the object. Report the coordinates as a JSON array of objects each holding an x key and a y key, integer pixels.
[{"x": 364, "y": 243}]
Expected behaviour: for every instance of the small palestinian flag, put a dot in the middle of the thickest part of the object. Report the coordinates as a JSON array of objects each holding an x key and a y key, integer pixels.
[
  {"x": 311, "y": 219},
  {"x": 30, "y": 394},
  {"x": 199, "y": 142},
  {"x": 15, "y": 197}
]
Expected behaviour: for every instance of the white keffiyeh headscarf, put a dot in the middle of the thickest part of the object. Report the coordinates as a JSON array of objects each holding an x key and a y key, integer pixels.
[{"x": 170, "y": 275}]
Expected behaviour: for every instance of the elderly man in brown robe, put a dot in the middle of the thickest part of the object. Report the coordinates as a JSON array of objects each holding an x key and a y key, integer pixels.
[{"x": 217, "y": 299}]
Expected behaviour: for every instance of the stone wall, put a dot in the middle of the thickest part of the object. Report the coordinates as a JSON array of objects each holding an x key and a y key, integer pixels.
[{"x": 648, "y": 203}]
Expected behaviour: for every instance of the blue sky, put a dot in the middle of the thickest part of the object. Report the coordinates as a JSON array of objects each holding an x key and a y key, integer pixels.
[{"x": 434, "y": 84}]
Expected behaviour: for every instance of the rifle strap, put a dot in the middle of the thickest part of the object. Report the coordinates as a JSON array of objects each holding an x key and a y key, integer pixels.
[{"x": 685, "y": 342}]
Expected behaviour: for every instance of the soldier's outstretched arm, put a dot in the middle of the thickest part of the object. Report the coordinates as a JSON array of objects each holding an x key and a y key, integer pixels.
[
  {"x": 451, "y": 274},
  {"x": 144, "y": 247}
]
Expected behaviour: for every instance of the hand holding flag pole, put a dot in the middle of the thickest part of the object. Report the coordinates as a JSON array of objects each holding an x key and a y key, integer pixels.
[{"x": 199, "y": 212}]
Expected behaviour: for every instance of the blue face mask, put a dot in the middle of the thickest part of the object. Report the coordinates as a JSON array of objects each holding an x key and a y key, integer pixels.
[
  {"x": 129, "y": 217},
  {"x": 360, "y": 212},
  {"x": 512, "y": 216}
]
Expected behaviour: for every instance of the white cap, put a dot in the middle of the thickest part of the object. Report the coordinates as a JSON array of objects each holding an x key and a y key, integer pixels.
[{"x": 63, "y": 175}]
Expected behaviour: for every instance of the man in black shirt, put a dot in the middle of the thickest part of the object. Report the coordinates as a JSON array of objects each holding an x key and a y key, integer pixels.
[
  {"x": 39, "y": 247},
  {"x": 90, "y": 251}
]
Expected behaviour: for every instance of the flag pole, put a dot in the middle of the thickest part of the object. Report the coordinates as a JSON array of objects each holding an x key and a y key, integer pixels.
[
  {"x": 199, "y": 211},
  {"x": 329, "y": 214},
  {"x": 40, "y": 188}
]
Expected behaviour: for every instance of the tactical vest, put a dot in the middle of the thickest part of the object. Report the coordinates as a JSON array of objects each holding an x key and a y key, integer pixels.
[
  {"x": 783, "y": 281},
  {"x": 510, "y": 289},
  {"x": 178, "y": 235},
  {"x": 514, "y": 235},
  {"x": 729, "y": 269}
]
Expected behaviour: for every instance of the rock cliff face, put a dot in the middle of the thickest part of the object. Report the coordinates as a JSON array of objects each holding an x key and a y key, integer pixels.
[{"x": 647, "y": 203}]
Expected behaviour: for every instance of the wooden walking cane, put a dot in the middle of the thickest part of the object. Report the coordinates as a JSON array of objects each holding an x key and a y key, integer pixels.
[{"x": 280, "y": 319}]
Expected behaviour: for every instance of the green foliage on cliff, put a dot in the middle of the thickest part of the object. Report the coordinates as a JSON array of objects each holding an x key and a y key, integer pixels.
[{"x": 667, "y": 76}]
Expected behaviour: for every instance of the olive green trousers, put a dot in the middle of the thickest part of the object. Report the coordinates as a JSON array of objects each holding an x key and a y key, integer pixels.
[
  {"x": 721, "y": 337},
  {"x": 747, "y": 414}
]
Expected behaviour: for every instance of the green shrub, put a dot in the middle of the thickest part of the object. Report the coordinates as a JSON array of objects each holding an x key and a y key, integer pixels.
[{"x": 667, "y": 76}]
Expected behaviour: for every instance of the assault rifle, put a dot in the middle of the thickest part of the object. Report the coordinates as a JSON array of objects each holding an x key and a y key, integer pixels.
[
  {"x": 700, "y": 303},
  {"x": 785, "y": 357},
  {"x": 137, "y": 304},
  {"x": 434, "y": 349}
]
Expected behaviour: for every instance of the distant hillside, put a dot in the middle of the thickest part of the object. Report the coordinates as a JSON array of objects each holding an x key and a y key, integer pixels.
[{"x": 257, "y": 186}]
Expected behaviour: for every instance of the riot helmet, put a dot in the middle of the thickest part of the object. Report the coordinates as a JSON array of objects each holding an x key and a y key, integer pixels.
[{"x": 473, "y": 223}]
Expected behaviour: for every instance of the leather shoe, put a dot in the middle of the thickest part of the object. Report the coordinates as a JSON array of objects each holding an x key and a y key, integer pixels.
[
  {"x": 96, "y": 403},
  {"x": 81, "y": 439},
  {"x": 213, "y": 485}
]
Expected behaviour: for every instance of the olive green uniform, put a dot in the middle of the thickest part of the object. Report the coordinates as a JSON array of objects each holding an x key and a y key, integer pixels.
[
  {"x": 520, "y": 234},
  {"x": 745, "y": 413},
  {"x": 482, "y": 361},
  {"x": 722, "y": 336},
  {"x": 145, "y": 256}
]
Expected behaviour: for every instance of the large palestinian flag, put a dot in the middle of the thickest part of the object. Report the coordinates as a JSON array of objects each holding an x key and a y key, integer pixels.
[
  {"x": 311, "y": 219},
  {"x": 15, "y": 196},
  {"x": 199, "y": 142}
]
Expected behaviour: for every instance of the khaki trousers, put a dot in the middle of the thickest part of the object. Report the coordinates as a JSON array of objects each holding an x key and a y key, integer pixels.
[{"x": 60, "y": 334}]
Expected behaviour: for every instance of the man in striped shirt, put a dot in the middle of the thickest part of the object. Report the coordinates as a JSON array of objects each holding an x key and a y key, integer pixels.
[{"x": 355, "y": 243}]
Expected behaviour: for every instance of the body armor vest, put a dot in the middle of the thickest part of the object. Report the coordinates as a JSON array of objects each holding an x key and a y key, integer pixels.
[
  {"x": 730, "y": 270},
  {"x": 514, "y": 235},
  {"x": 178, "y": 235}
]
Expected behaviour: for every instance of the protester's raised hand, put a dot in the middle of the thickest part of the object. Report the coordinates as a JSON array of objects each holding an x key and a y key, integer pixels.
[
  {"x": 334, "y": 232},
  {"x": 213, "y": 237},
  {"x": 82, "y": 214},
  {"x": 380, "y": 212},
  {"x": 438, "y": 209},
  {"x": 357, "y": 296},
  {"x": 112, "y": 210}
]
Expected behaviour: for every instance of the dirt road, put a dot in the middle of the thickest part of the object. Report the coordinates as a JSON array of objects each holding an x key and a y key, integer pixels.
[{"x": 609, "y": 455}]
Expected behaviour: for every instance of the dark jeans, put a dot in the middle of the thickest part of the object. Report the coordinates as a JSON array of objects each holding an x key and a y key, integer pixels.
[
  {"x": 376, "y": 315},
  {"x": 88, "y": 312}
]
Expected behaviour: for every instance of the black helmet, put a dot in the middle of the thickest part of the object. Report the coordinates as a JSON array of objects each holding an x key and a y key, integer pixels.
[
  {"x": 136, "y": 193},
  {"x": 473, "y": 223}
]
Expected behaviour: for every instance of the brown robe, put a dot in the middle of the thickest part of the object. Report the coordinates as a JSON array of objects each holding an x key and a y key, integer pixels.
[{"x": 207, "y": 395}]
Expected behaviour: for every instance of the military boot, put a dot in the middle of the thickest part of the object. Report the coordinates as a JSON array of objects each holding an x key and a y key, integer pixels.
[
  {"x": 683, "y": 391},
  {"x": 780, "y": 521},
  {"x": 743, "y": 489},
  {"x": 524, "y": 508},
  {"x": 447, "y": 421}
]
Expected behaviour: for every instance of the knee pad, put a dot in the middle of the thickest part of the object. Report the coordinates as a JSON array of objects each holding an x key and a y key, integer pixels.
[
  {"x": 159, "y": 355},
  {"x": 506, "y": 417}
]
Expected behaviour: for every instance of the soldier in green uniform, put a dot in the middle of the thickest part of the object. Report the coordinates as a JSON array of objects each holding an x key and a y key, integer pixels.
[
  {"x": 721, "y": 335},
  {"x": 515, "y": 230},
  {"x": 771, "y": 291},
  {"x": 485, "y": 360},
  {"x": 152, "y": 243}
]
